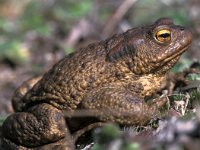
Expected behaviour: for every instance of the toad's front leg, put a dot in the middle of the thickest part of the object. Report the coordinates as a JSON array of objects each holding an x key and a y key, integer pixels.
[
  {"x": 42, "y": 126},
  {"x": 119, "y": 104}
]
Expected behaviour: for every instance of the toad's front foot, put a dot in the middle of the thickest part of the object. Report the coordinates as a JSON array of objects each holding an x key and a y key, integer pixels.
[{"x": 41, "y": 127}]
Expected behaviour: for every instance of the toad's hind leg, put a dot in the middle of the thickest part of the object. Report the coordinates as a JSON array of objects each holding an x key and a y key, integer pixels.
[
  {"x": 118, "y": 104},
  {"x": 40, "y": 125},
  {"x": 18, "y": 95}
]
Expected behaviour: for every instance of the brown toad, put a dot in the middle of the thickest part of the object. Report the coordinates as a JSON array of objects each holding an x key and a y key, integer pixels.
[{"x": 111, "y": 77}]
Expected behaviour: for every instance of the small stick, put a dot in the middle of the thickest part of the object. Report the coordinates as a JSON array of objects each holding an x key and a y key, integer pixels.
[
  {"x": 118, "y": 15},
  {"x": 80, "y": 132}
]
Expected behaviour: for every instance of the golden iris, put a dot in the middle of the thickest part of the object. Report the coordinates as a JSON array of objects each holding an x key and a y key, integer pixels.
[{"x": 163, "y": 36}]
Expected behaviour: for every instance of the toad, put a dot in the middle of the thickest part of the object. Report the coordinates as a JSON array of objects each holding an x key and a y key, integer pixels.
[{"x": 110, "y": 77}]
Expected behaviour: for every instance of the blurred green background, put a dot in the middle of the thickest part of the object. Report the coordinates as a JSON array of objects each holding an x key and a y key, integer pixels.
[{"x": 20, "y": 21}]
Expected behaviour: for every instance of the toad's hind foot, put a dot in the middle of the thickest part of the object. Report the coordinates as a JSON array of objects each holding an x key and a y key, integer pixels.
[
  {"x": 63, "y": 144},
  {"x": 21, "y": 91},
  {"x": 40, "y": 125}
]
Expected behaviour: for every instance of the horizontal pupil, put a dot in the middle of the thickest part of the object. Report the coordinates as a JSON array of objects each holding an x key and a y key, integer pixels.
[{"x": 165, "y": 35}]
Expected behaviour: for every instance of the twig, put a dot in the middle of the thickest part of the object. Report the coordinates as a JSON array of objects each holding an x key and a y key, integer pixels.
[
  {"x": 118, "y": 15},
  {"x": 104, "y": 112},
  {"x": 80, "y": 132},
  {"x": 186, "y": 103},
  {"x": 82, "y": 29}
]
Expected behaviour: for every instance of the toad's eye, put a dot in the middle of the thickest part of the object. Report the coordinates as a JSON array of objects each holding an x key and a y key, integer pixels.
[{"x": 163, "y": 36}]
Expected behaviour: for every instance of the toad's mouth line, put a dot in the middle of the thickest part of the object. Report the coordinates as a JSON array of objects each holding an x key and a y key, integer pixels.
[{"x": 176, "y": 54}]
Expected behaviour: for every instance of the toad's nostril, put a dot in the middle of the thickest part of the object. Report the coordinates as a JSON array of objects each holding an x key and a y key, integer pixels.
[{"x": 182, "y": 29}]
